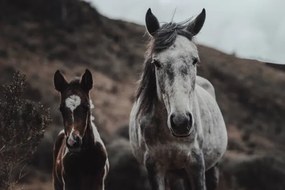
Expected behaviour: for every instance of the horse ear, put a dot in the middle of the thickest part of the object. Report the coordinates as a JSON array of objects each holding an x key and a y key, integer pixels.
[
  {"x": 60, "y": 83},
  {"x": 195, "y": 26},
  {"x": 152, "y": 24},
  {"x": 86, "y": 81}
]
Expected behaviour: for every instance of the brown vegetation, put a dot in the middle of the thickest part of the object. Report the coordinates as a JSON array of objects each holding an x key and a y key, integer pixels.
[{"x": 22, "y": 124}]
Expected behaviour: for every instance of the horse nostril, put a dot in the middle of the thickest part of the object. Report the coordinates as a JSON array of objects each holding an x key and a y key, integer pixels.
[
  {"x": 74, "y": 141},
  {"x": 77, "y": 141},
  {"x": 190, "y": 120},
  {"x": 171, "y": 120},
  {"x": 181, "y": 124}
]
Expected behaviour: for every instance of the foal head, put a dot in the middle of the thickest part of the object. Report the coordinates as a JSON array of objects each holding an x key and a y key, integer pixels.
[
  {"x": 172, "y": 60},
  {"x": 74, "y": 107}
]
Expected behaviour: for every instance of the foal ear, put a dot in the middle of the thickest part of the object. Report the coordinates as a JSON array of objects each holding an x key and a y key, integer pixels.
[
  {"x": 86, "y": 81},
  {"x": 60, "y": 83},
  {"x": 152, "y": 24},
  {"x": 195, "y": 26}
]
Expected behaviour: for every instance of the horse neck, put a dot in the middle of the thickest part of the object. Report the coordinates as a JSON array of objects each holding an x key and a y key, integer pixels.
[{"x": 88, "y": 138}]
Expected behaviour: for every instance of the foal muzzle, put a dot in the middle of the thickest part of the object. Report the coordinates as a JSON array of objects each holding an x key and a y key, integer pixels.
[{"x": 74, "y": 142}]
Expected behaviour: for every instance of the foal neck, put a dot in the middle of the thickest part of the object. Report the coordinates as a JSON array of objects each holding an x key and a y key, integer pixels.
[{"x": 88, "y": 138}]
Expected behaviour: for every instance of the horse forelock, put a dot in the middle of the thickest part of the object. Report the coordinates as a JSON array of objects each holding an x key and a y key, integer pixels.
[{"x": 167, "y": 34}]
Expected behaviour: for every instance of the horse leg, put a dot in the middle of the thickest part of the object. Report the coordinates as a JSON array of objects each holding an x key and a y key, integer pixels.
[
  {"x": 57, "y": 184},
  {"x": 99, "y": 182},
  {"x": 91, "y": 182},
  {"x": 71, "y": 182},
  {"x": 175, "y": 180},
  {"x": 172, "y": 182},
  {"x": 177, "y": 184},
  {"x": 56, "y": 178},
  {"x": 196, "y": 171},
  {"x": 212, "y": 178},
  {"x": 186, "y": 182},
  {"x": 155, "y": 175}
]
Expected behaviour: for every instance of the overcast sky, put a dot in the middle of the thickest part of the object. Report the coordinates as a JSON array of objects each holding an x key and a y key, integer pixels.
[{"x": 249, "y": 28}]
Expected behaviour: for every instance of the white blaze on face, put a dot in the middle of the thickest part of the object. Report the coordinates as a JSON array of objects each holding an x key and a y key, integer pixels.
[
  {"x": 177, "y": 88},
  {"x": 72, "y": 102}
]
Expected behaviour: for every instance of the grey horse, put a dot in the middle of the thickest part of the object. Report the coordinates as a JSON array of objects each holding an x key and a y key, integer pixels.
[{"x": 176, "y": 127}]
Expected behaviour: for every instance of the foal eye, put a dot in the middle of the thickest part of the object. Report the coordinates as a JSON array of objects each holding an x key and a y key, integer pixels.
[
  {"x": 195, "y": 60},
  {"x": 156, "y": 63}
]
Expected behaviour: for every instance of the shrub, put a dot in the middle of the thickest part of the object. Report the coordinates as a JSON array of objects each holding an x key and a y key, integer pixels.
[{"x": 22, "y": 125}]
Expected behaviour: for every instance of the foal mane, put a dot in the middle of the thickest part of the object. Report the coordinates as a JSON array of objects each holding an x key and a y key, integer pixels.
[
  {"x": 74, "y": 84},
  {"x": 163, "y": 38}
]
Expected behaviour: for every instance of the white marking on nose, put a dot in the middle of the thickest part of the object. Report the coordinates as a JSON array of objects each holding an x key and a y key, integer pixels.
[
  {"x": 70, "y": 139},
  {"x": 72, "y": 102}
]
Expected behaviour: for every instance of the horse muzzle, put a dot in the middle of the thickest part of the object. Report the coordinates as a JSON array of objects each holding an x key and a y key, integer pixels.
[
  {"x": 181, "y": 125},
  {"x": 74, "y": 142}
]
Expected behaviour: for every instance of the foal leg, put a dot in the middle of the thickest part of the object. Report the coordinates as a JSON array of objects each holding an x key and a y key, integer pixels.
[
  {"x": 57, "y": 184},
  {"x": 71, "y": 183},
  {"x": 89, "y": 182},
  {"x": 212, "y": 178},
  {"x": 155, "y": 175}
]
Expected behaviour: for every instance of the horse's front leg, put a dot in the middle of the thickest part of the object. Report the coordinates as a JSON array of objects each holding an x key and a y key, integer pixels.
[
  {"x": 156, "y": 174},
  {"x": 196, "y": 171},
  {"x": 92, "y": 182}
]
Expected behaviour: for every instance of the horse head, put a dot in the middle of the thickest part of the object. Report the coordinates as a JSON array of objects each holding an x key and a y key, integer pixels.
[
  {"x": 74, "y": 107},
  {"x": 173, "y": 57}
]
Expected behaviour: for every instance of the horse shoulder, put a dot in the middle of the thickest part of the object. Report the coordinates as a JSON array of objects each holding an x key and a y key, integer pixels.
[
  {"x": 58, "y": 143},
  {"x": 57, "y": 167},
  {"x": 213, "y": 127},
  {"x": 207, "y": 85}
]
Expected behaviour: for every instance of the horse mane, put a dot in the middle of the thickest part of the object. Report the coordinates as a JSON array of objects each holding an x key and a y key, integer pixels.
[
  {"x": 147, "y": 88},
  {"x": 75, "y": 82},
  {"x": 164, "y": 37}
]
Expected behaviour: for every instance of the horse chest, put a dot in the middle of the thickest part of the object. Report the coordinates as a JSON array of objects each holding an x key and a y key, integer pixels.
[
  {"x": 173, "y": 155},
  {"x": 91, "y": 161}
]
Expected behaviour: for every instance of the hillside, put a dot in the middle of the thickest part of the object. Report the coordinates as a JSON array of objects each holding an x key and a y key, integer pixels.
[{"x": 251, "y": 93}]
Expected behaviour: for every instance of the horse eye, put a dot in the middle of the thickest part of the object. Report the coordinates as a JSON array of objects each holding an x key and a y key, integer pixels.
[
  {"x": 156, "y": 63},
  {"x": 195, "y": 60}
]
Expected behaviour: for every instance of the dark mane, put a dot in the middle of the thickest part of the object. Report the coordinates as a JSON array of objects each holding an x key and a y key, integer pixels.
[
  {"x": 74, "y": 84},
  {"x": 162, "y": 39},
  {"x": 147, "y": 88},
  {"x": 166, "y": 35}
]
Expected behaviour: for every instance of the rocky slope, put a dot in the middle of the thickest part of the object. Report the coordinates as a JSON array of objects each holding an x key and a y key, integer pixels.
[{"x": 251, "y": 93}]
